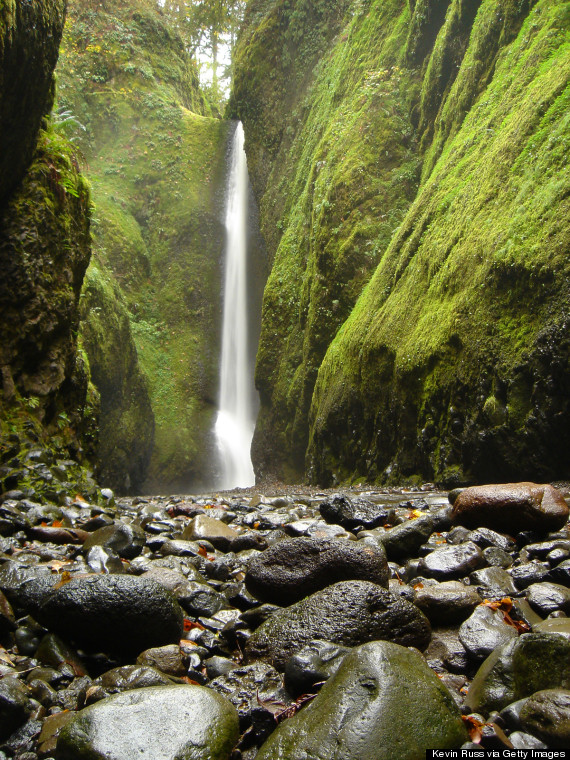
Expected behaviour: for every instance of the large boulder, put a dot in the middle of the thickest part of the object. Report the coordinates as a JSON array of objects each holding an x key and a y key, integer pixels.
[
  {"x": 117, "y": 613},
  {"x": 158, "y": 723},
  {"x": 511, "y": 507},
  {"x": 383, "y": 703},
  {"x": 295, "y": 568},
  {"x": 533, "y": 662},
  {"x": 348, "y": 613},
  {"x": 352, "y": 513}
]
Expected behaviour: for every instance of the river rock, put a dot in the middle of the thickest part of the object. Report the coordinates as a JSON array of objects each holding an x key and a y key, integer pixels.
[
  {"x": 168, "y": 659},
  {"x": 352, "y": 513},
  {"x": 158, "y": 723},
  {"x": 129, "y": 677},
  {"x": 348, "y": 613},
  {"x": 532, "y": 662},
  {"x": 449, "y": 562},
  {"x": 560, "y": 573},
  {"x": 383, "y": 703},
  {"x": 14, "y": 708},
  {"x": 118, "y": 613},
  {"x": 526, "y": 573},
  {"x": 405, "y": 539},
  {"x": 511, "y": 507},
  {"x": 257, "y": 692},
  {"x": 484, "y": 631},
  {"x": 297, "y": 567},
  {"x": 547, "y": 714},
  {"x": 209, "y": 529},
  {"x": 447, "y": 602},
  {"x": 314, "y": 664},
  {"x": 493, "y": 582},
  {"x": 548, "y": 597},
  {"x": 125, "y": 540}
]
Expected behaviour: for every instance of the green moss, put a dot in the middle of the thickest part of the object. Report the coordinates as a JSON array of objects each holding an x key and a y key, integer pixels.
[
  {"x": 157, "y": 170},
  {"x": 472, "y": 294}
]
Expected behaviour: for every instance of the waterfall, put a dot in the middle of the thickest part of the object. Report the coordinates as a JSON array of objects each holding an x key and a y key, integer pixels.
[{"x": 236, "y": 415}]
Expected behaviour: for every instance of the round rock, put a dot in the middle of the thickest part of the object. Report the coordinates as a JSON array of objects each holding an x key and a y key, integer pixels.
[
  {"x": 451, "y": 562},
  {"x": 383, "y": 703},
  {"x": 547, "y": 715},
  {"x": 484, "y": 631},
  {"x": 447, "y": 602},
  {"x": 126, "y": 540},
  {"x": 297, "y": 567},
  {"x": 511, "y": 506},
  {"x": 158, "y": 723},
  {"x": 348, "y": 613},
  {"x": 532, "y": 662},
  {"x": 117, "y": 613}
]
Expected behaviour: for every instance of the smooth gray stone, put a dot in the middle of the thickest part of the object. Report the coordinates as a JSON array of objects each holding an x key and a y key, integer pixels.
[
  {"x": 452, "y": 562},
  {"x": 548, "y": 597},
  {"x": 158, "y": 723},
  {"x": 493, "y": 582},
  {"x": 447, "y": 602},
  {"x": 484, "y": 631},
  {"x": 383, "y": 703}
]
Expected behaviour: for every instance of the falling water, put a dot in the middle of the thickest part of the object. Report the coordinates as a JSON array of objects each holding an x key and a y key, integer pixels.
[{"x": 236, "y": 416}]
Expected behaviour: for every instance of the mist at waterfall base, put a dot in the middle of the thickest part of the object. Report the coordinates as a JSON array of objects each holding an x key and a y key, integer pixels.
[{"x": 236, "y": 415}]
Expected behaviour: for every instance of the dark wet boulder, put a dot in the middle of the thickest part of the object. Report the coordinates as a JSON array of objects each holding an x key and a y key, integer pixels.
[
  {"x": 126, "y": 540},
  {"x": 348, "y": 613},
  {"x": 510, "y": 507},
  {"x": 404, "y": 540},
  {"x": 167, "y": 722},
  {"x": 449, "y": 562},
  {"x": 493, "y": 582},
  {"x": 447, "y": 602},
  {"x": 116, "y": 613},
  {"x": 297, "y": 567},
  {"x": 314, "y": 664},
  {"x": 485, "y": 630},
  {"x": 532, "y": 662},
  {"x": 129, "y": 677},
  {"x": 383, "y": 703},
  {"x": 547, "y": 715},
  {"x": 14, "y": 705},
  {"x": 352, "y": 513}
]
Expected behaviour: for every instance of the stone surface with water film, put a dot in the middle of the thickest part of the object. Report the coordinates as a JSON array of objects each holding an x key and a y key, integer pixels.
[
  {"x": 383, "y": 703},
  {"x": 157, "y": 723}
]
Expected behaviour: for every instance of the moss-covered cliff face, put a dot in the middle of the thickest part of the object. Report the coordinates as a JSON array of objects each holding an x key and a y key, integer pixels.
[
  {"x": 425, "y": 144},
  {"x": 157, "y": 163},
  {"x": 44, "y": 240},
  {"x": 30, "y": 34}
]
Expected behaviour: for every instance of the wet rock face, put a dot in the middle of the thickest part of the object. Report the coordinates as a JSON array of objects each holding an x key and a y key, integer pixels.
[
  {"x": 293, "y": 569},
  {"x": 194, "y": 722},
  {"x": 363, "y": 711},
  {"x": 352, "y": 513},
  {"x": 347, "y": 613},
  {"x": 547, "y": 714},
  {"x": 512, "y": 507},
  {"x": 30, "y": 34},
  {"x": 113, "y": 612}
]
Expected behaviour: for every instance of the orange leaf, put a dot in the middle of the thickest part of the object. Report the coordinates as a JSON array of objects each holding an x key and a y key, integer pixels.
[
  {"x": 65, "y": 578},
  {"x": 190, "y": 624},
  {"x": 474, "y": 728},
  {"x": 57, "y": 524},
  {"x": 190, "y": 681}
]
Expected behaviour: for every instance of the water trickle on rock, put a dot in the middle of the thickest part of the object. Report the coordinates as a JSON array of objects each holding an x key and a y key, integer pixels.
[{"x": 236, "y": 415}]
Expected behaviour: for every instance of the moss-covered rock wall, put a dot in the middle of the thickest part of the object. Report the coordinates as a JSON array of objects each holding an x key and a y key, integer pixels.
[
  {"x": 44, "y": 238},
  {"x": 422, "y": 145},
  {"x": 157, "y": 162}
]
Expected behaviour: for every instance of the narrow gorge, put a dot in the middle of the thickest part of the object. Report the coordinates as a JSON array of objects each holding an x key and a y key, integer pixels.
[{"x": 285, "y": 379}]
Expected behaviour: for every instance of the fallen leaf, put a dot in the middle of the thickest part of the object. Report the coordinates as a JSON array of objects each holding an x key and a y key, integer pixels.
[
  {"x": 190, "y": 624},
  {"x": 474, "y": 728},
  {"x": 65, "y": 578},
  {"x": 202, "y": 552}
]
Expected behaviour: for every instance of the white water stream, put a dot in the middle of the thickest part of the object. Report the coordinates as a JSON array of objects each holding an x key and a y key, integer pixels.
[{"x": 236, "y": 415}]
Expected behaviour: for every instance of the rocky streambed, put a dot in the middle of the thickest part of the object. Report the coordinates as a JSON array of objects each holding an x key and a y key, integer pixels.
[{"x": 283, "y": 625}]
